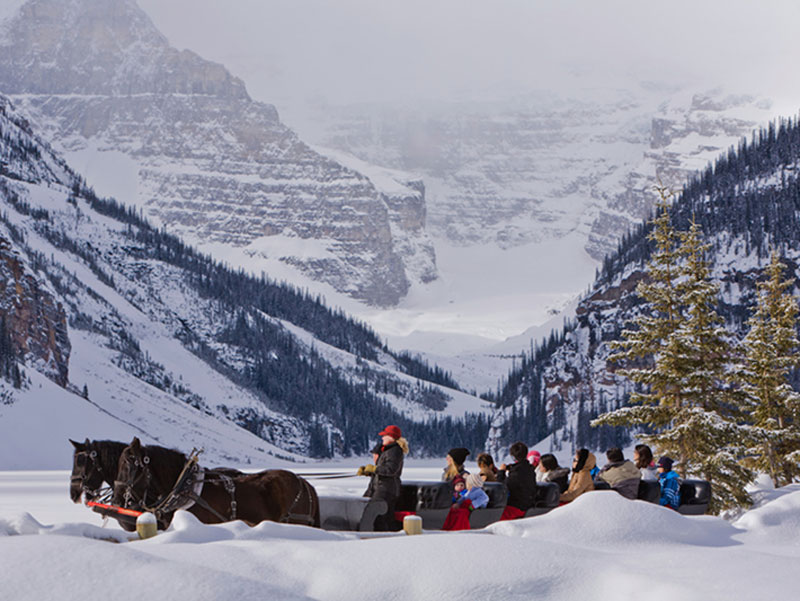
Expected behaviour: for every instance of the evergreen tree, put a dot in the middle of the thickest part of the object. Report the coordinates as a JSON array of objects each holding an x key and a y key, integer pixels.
[
  {"x": 683, "y": 354},
  {"x": 771, "y": 347}
]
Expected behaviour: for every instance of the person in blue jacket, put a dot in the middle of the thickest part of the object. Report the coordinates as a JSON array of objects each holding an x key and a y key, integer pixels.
[
  {"x": 475, "y": 493},
  {"x": 670, "y": 483}
]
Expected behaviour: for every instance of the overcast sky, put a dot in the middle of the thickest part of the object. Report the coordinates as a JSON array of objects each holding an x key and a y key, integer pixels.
[{"x": 356, "y": 50}]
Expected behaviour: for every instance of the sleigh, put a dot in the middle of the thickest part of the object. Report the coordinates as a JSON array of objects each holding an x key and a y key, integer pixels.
[{"x": 432, "y": 501}]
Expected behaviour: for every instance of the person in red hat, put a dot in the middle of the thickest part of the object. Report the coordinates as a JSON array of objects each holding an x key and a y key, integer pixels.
[{"x": 385, "y": 473}]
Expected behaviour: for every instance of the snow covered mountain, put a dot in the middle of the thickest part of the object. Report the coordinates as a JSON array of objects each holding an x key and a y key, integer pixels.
[
  {"x": 746, "y": 203},
  {"x": 204, "y": 160},
  {"x": 520, "y": 171},
  {"x": 121, "y": 329}
]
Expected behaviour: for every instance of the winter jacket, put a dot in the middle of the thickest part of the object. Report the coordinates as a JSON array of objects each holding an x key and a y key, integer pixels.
[
  {"x": 520, "y": 480},
  {"x": 558, "y": 475},
  {"x": 622, "y": 476},
  {"x": 388, "y": 468},
  {"x": 670, "y": 489},
  {"x": 581, "y": 481},
  {"x": 478, "y": 497},
  {"x": 649, "y": 473}
]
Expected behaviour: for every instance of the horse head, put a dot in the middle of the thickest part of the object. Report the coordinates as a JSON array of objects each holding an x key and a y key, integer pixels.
[
  {"x": 133, "y": 474},
  {"x": 87, "y": 477}
]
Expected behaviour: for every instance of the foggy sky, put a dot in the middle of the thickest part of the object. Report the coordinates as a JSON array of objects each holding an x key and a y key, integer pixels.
[{"x": 404, "y": 50}]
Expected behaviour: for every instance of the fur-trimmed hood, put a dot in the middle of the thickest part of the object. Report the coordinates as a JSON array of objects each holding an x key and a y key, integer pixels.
[{"x": 403, "y": 444}]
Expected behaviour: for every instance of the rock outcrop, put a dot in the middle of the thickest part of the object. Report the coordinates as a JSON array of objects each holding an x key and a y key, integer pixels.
[{"x": 36, "y": 322}]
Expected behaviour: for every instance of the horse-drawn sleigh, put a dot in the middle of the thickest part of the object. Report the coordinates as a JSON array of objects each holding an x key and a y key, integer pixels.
[{"x": 161, "y": 481}]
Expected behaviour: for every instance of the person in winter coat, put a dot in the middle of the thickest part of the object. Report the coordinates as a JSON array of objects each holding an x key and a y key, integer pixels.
[
  {"x": 472, "y": 498},
  {"x": 488, "y": 471},
  {"x": 581, "y": 480},
  {"x": 550, "y": 471},
  {"x": 620, "y": 474},
  {"x": 455, "y": 464},
  {"x": 534, "y": 457},
  {"x": 459, "y": 489},
  {"x": 520, "y": 480},
  {"x": 643, "y": 459},
  {"x": 475, "y": 494},
  {"x": 385, "y": 474},
  {"x": 670, "y": 484}
]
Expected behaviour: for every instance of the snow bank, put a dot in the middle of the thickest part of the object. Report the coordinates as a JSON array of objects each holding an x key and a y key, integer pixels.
[
  {"x": 601, "y": 547},
  {"x": 777, "y": 520},
  {"x": 26, "y": 524},
  {"x": 606, "y": 519},
  {"x": 186, "y": 528}
]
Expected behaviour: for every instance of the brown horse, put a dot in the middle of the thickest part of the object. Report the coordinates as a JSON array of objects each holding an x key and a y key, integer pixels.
[
  {"x": 95, "y": 462},
  {"x": 148, "y": 479}
]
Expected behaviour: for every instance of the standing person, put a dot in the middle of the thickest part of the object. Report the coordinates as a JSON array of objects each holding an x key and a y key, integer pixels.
[
  {"x": 581, "y": 480},
  {"x": 550, "y": 471},
  {"x": 643, "y": 459},
  {"x": 670, "y": 484},
  {"x": 488, "y": 471},
  {"x": 385, "y": 474},
  {"x": 455, "y": 464},
  {"x": 520, "y": 480}
]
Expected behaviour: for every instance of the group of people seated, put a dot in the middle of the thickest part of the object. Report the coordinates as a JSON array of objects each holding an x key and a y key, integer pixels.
[
  {"x": 519, "y": 477},
  {"x": 530, "y": 467}
]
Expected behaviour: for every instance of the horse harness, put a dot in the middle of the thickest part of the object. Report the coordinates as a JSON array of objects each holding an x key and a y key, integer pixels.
[
  {"x": 189, "y": 486},
  {"x": 302, "y": 518},
  {"x": 186, "y": 491}
]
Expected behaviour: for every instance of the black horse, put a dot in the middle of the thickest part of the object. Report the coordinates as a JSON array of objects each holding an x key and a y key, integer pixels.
[
  {"x": 157, "y": 479},
  {"x": 94, "y": 463}
]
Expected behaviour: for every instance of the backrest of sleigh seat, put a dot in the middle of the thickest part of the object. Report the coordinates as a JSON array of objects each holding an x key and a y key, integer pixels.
[
  {"x": 695, "y": 496},
  {"x": 349, "y": 513}
]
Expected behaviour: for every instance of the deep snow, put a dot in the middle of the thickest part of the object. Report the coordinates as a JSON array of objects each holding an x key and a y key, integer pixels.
[{"x": 600, "y": 547}]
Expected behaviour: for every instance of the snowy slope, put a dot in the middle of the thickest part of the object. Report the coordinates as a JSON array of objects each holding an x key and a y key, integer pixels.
[
  {"x": 138, "y": 327},
  {"x": 600, "y": 547}
]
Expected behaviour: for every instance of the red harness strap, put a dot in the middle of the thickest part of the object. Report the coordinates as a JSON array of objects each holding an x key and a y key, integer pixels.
[{"x": 115, "y": 509}]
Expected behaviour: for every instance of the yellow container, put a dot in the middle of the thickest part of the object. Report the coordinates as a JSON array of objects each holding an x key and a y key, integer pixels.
[
  {"x": 412, "y": 524},
  {"x": 146, "y": 525}
]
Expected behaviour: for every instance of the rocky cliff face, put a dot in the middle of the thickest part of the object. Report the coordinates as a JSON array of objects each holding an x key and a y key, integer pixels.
[
  {"x": 36, "y": 322},
  {"x": 540, "y": 167},
  {"x": 212, "y": 165}
]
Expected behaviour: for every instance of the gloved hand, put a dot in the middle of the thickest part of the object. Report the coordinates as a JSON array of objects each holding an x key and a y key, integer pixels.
[{"x": 366, "y": 470}]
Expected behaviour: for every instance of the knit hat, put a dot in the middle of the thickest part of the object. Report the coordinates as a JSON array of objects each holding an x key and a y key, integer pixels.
[
  {"x": 474, "y": 481},
  {"x": 534, "y": 457},
  {"x": 459, "y": 479},
  {"x": 666, "y": 463},
  {"x": 459, "y": 455},
  {"x": 392, "y": 431}
]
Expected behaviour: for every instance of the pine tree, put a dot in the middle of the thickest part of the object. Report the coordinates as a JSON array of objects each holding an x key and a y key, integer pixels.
[
  {"x": 770, "y": 348},
  {"x": 679, "y": 353}
]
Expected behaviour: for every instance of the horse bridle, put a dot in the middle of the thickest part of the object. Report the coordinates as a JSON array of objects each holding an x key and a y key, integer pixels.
[
  {"x": 134, "y": 476},
  {"x": 81, "y": 460}
]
